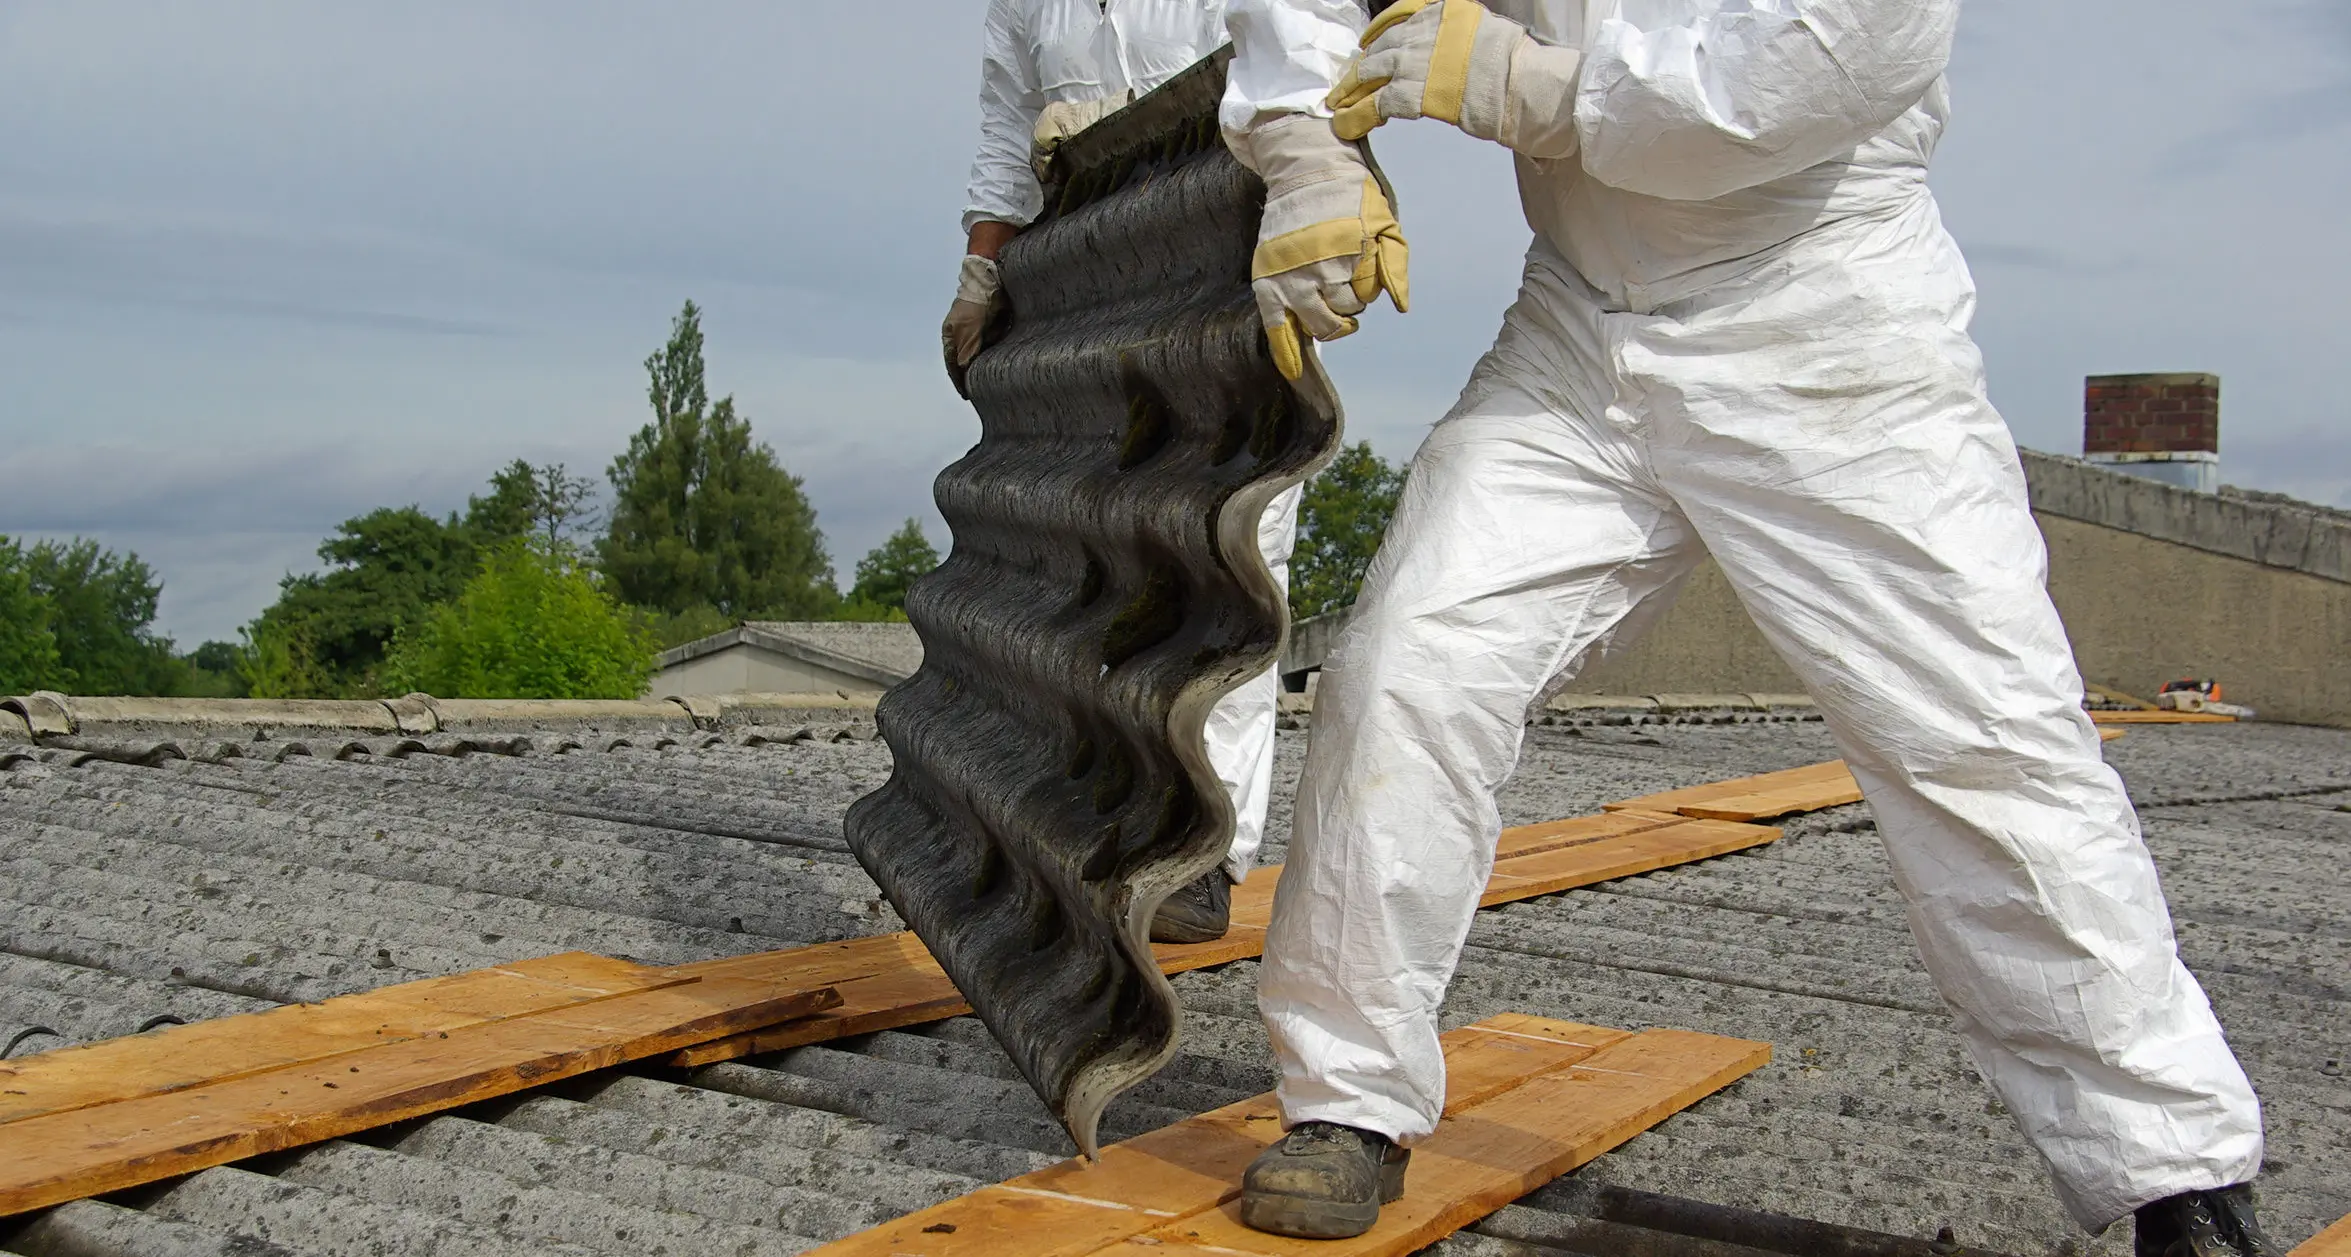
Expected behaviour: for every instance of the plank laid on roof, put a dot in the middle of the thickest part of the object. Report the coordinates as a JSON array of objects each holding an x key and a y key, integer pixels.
[
  {"x": 147, "y": 1132},
  {"x": 889, "y": 981},
  {"x": 1528, "y": 1100},
  {"x": 214, "y": 1051},
  {"x": 2335, "y": 1241},
  {"x": 2161, "y": 718},
  {"x": 1761, "y": 797}
]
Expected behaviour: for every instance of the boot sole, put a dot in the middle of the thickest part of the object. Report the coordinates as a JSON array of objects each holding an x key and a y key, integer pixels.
[{"x": 1301, "y": 1218}]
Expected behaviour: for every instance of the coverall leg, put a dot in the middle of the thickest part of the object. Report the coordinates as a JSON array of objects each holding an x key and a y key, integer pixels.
[
  {"x": 1240, "y": 729},
  {"x": 1830, "y": 442}
]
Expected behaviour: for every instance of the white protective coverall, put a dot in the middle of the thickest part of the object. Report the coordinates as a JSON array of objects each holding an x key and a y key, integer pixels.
[
  {"x": 1742, "y": 330},
  {"x": 1035, "y": 52}
]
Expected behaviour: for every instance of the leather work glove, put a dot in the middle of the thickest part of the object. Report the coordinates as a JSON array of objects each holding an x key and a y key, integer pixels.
[
  {"x": 1063, "y": 119},
  {"x": 979, "y": 293},
  {"x": 1459, "y": 62},
  {"x": 1328, "y": 244}
]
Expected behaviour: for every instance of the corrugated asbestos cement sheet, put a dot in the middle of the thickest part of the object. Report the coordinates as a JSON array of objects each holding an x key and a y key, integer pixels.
[{"x": 1103, "y": 592}]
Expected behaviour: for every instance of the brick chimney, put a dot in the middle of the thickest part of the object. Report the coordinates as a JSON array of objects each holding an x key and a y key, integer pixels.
[{"x": 2163, "y": 427}]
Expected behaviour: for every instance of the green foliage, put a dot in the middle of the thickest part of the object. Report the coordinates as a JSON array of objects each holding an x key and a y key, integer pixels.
[
  {"x": 884, "y": 574},
  {"x": 868, "y": 612},
  {"x": 101, "y": 612},
  {"x": 702, "y": 514},
  {"x": 28, "y": 646},
  {"x": 533, "y": 624},
  {"x": 215, "y": 670},
  {"x": 1345, "y": 513},
  {"x": 526, "y": 500},
  {"x": 327, "y": 633},
  {"x": 690, "y": 625},
  {"x": 281, "y": 662}
]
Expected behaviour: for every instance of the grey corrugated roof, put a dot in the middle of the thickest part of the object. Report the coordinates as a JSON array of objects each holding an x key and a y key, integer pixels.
[{"x": 260, "y": 880}]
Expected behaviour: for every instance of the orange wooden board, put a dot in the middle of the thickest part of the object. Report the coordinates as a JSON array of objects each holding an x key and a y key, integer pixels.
[
  {"x": 2335, "y": 1241},
  {"x": 1529, "y": 1099},
  {"x": 889, "y": 981},
  {"x": 58, "y": 1156},
  {"x": 1761, "y": 797},
  {"x": 232, "y": 1047},
  {"x": 2160, "y": 718}
]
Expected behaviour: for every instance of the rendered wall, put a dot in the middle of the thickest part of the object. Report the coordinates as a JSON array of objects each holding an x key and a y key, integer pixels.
[{"x": 747, "y": 669}]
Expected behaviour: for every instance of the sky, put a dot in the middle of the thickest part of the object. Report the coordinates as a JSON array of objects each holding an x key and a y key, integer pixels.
[{"x": 268, "y": 265}]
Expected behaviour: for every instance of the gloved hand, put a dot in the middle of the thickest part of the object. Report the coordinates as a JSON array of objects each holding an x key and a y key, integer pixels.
[
  {"x": 1458, "y": 62},
  {"x": 979, "y": 292},
  {"x": 1329, "y": 243},
  {"x": 1063, "y": 119}
]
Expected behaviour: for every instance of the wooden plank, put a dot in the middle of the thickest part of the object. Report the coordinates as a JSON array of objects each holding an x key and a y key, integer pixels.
[
  {"x": 2160, "y": 718},
  {"x": 1170, "y": 1191},
  {"x": 1074, "y": 1208},
  {"x": 2117, "y": 696},
  {"x": 1790, "y": 790},
  {"x": 57, "y": 1157},
  {"x": 1497, "y": 1151},
  {"x": 1627, "y": 855},
  {"x": 233, "y": 1047},
  {"x": 889, "y": 982},
  {"x": 2110, "y": 735},
  {"x": 2335, "y": 1241}
]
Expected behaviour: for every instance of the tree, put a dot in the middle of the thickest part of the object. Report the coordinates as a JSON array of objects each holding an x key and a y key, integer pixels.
[
  {"x": 1345, "y": 513},
  {"x": 102, "y": 615},
  {"x": 329, "y": 630},
  {"x": 886, "y": 571},
  {"x": 28, "y": 646},
  {"x": 524, "y": 499},
  {"x": 704, "y": 515},
  {"x": 533, "y": 624}
]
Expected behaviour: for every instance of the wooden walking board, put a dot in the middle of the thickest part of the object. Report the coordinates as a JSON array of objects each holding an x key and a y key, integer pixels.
[
  {"x": 2335, "y": 1241},
  {"x": 889, "y": 981},
  {"x": 1528, "y": 1099},
  {"x": 81, "y": 1121},
  {"x": 1761, "y": 797}
]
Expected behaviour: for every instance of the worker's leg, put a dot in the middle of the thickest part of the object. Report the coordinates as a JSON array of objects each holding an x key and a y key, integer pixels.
[
  {"x": 1525, "y": 535},
  {"x": 1833, "y": 444},
  {"x": 1240, "y": 726}
]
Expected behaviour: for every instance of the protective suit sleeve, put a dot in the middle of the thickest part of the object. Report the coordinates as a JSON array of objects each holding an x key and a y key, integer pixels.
[
  {"x": 1701, "y": 107},
  {"x": 1286, "y": 56},
  {"x": 1004, "y": 186}
]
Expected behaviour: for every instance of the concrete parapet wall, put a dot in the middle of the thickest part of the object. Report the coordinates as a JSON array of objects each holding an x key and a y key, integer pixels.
[{"x": 2155, "y": 583}]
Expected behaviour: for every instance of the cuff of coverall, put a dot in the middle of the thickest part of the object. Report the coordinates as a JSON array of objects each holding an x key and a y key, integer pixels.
[
  {"x": 974, "y": 217},
  {"x": 1401, "y": 1125}
]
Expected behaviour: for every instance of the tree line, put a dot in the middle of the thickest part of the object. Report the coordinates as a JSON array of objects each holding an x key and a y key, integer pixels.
[{"x": 532, "y": 591}]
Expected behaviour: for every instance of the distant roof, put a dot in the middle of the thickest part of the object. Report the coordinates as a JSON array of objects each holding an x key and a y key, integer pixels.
[
  {"x": 886, "y": 653},
  {"x": 150, "y": 868}
]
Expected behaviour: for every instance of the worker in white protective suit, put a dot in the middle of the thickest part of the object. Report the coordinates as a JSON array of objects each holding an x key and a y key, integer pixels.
[
  {"x": 1742, "y": 331},
  {"x": 1048, "y": 69}
]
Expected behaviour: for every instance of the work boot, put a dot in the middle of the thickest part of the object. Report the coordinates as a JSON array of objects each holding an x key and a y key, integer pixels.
[
  {"x": 1197, "y": 913},
  {"x": 1323, "y": 1181},
  {"x": 2215, "y": 1223}
]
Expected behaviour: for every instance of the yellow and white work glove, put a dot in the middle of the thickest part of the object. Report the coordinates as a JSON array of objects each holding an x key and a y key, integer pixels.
[
  {"x": 1459, "y": 62},
  {"x": 1329, "y": 242},
  {"x": 1061, "y": 120},
  {"x": 979, "y": 293}
]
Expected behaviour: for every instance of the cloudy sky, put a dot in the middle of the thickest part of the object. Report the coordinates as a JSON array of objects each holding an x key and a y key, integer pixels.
[{"x": 264, "y": 266}]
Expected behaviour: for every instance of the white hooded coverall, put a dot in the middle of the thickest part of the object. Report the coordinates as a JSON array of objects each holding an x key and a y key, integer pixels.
[
  {"x": 1034, "y": 52},
  {"x": 1742, "y": 331}
]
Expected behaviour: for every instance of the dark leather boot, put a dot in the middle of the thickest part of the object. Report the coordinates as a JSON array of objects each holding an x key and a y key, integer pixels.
[
  {"x": 1197, "y": 913},
  {"x": 2215, "y": 1223},
  {"x": 1323, "y": 1181}
]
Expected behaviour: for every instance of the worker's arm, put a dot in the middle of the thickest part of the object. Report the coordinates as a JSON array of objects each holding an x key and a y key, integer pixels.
[
  {"x": 1697, "y": 109},
  {"x": 1286, "y": 55},
  {"x": 1004, "y": 195}
]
